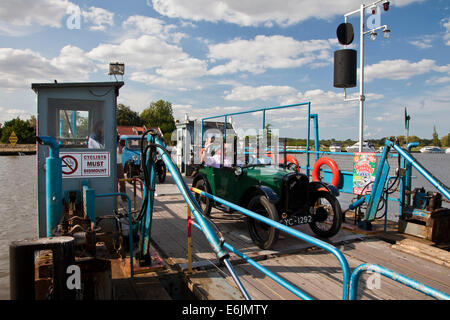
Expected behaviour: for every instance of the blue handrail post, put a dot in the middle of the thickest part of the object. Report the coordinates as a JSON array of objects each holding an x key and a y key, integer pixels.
[
  {"x": 53, "y": 183},
  {"x": 315, "y": 118}
]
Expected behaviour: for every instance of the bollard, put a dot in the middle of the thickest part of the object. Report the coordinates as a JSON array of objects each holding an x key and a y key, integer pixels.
[{"x": 22, "y": 268}]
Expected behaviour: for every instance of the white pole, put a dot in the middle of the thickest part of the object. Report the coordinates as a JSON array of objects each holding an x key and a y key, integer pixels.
[{"x": 361, "y": 81}]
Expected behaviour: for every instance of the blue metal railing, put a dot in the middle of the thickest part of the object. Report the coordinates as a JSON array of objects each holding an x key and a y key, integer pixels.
[
  {"x": 394, "y": 276},
  {"x": 428, "y": 175},
  {"x": 343, "y": 262},
  {"x": 263, "y": 110}
]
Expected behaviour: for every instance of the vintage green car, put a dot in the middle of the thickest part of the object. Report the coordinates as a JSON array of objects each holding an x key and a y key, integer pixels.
[{"x": 279, "y": 193}]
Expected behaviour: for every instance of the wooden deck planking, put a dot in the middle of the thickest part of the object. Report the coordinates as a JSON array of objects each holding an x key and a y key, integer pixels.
[
  {"x": 173, "y": 241},
  {"x": 317, "y": 274},
  {"x": 254, "y": 288},
  {"x": 379, "y": 252},
  {"x": 302, "y": 278},
  {"x": 389, "y": 289}
]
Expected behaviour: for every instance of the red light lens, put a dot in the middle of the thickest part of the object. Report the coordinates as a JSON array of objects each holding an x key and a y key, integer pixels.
[{"x": 386, "y": 6}]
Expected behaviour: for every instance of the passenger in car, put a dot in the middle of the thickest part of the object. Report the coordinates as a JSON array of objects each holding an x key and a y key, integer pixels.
[{"x": 215, "y": 158}]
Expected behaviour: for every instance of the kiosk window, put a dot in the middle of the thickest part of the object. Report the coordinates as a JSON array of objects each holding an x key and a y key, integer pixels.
[{"x": 73, "y": 128}]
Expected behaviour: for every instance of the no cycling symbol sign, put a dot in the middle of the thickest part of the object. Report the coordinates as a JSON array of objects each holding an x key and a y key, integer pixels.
[
  {"x": 85, "y": 164},
  {"x": 69, "y": 164}
]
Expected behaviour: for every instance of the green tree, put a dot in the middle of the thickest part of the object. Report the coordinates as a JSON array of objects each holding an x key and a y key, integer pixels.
[
  {"x": 127, "y": 117},
  {"x": 445, "y": 140},
  {"x": 159, "y": 114},
  {"x": 436, "y": 140},
  {"x": 23, "y": 130}
]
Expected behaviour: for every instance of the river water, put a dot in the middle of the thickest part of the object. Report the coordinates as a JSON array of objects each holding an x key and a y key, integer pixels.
[
  {"x": 18, "y": 204},
  {"x": 18, "y": 208}
]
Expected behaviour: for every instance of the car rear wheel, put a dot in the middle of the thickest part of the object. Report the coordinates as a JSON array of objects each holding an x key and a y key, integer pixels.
[
  {"x": 204, "y": 202},
  {"x": 327, "y": 215},
  {"x": 262, "y": 234}
]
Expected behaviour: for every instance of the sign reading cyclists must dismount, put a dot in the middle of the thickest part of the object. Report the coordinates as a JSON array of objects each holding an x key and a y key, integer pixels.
[{"x": 85, "y": 164}]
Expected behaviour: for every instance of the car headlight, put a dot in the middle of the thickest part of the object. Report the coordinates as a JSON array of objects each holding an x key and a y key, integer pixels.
[
  {"x": 238, "y": 171},
  {"x": 135, "y": 158}
]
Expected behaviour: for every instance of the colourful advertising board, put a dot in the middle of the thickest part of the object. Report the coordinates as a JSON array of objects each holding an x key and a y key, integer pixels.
[{"x": 364, "y": 171}]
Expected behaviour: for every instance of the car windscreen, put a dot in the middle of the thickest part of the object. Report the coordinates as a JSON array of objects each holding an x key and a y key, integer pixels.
[{"x": 135, "y": 144}]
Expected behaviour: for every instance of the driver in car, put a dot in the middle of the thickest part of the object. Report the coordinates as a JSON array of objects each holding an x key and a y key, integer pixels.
[
  {"x": 261, "y": 159},
  {"x": 215, "y": 158}
]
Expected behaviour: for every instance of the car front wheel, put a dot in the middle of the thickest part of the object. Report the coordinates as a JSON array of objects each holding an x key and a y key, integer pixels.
[{"x": 261, "y": 233}]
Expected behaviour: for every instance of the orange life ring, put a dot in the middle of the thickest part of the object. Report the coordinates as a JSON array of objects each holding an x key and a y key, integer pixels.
[
  {"x": 334, "y": 169},
  {"x": 289, "y": 158}
]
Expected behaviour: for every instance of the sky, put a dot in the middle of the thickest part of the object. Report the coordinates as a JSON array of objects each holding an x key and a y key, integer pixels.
[{"x": 210, "y": 57}]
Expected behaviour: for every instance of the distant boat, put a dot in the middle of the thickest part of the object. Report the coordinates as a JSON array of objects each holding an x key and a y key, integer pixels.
[
  {"x": 367, "y": 147},
  {"x": 335, "y": 147},
  {"x": 431, "y": 150}
]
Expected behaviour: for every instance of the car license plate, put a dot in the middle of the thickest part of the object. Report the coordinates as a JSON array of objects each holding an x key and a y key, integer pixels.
[{"x": 295, "y": 220}]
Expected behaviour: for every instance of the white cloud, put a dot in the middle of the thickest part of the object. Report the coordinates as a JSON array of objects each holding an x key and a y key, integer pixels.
[
  {"x": 137, "y": 99},
  {"x": 98, "y": 18},
  {"x": 179, "y": 72},
  {"x": 446, "y": 24},
  {"x": 264, "y": 52},
  {"x": 151, "y": 26},
  {"x": 152, "y": 59},
  {"x": 21, "y": 17},
  {"x": 401, "y": 69},
  {"x": 142, "y": 53},
  {"x": 423, "y": 42},
  {"x": 19, "y": 68},
  {"x": 11, "y": 113},
  {"x": 184, "y": 68},
  {"x": 427, "y": 109},
  {"x": 266, "y": 12},
  {"x": 179, "y": 111},
  {"x": 438, "y": 80},
  {"x": 248, "y": 93},
  {"x": 40, "y": 12}
]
